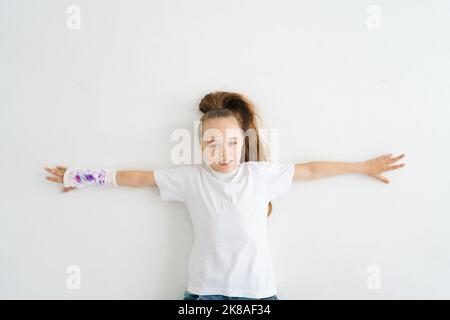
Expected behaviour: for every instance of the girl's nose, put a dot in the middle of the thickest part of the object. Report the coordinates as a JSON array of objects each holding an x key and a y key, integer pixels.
[{"x": 225, "y": 154}]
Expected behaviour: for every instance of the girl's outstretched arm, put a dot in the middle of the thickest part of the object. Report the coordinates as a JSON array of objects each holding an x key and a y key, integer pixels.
[
  {"x": 76, "y": 178},
  {"x": 372, "y": 167},
  {"x": 135, "y": 179}
]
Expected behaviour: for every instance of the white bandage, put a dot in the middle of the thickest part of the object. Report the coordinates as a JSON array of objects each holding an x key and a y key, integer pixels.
[{"x": 80, "y": 177}]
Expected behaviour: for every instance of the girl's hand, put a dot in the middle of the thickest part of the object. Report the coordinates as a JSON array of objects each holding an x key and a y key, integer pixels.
[
  {"x": 375, "y": 167},
  {"x": 59, "y": 173}
]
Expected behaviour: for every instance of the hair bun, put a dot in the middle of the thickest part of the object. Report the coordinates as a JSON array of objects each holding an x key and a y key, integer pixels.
[
  {"x": 207, "y": 107},
  {"x": 212, "y": 101}
]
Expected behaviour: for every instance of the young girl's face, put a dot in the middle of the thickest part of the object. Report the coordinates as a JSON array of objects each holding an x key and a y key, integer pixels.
[{"x": 222, "y": 143}]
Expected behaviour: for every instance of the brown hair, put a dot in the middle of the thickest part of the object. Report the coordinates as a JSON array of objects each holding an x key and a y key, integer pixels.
[{"x": 222, "y": 104}]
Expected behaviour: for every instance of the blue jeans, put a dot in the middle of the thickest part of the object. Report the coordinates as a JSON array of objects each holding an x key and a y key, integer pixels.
[{"x": 192, "y": 296}]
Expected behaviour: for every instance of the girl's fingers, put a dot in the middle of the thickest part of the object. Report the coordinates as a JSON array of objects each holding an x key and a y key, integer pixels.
[
  {"x": 55, "y": 179},
  {"x": 385, "y": 156},
  {"x": 59, "y": 175},
  {"x": 56, "y": 172},
  {"x": 396, "y": 166},
  {"x": 393, "y": 160},
  {"x": 67, "y": 189},
  {"x": 383, "y": 179}
]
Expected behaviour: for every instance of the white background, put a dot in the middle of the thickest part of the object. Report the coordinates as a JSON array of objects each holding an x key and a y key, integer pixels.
[{"x": 111, "y": 93}]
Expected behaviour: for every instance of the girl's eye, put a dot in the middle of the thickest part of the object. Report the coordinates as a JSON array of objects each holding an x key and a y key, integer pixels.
[{"x": 212, "y": 146}]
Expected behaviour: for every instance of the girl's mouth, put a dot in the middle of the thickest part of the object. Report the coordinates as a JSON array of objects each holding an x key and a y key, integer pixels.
[{"x": 225, "y": 164}]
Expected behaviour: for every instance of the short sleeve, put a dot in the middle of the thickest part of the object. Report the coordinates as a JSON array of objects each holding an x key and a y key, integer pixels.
[
  {"x": 278, "y": 177},
  {"x": 172, "y": 182}
]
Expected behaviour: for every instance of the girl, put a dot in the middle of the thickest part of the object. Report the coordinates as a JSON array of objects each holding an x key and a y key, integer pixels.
[{"x": 228, "y": 197}]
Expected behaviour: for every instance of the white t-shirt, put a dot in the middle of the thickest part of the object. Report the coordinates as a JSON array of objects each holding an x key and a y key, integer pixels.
[{"x": 230, "y": 255}]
